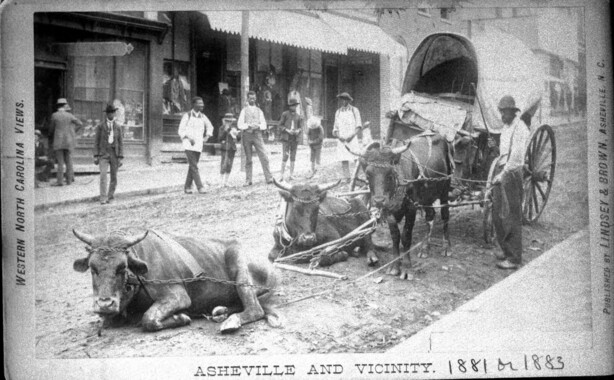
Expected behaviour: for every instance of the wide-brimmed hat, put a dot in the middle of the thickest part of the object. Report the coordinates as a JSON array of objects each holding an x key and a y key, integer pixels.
[
  {"x": 345, "y": 95},
  {"x": 61, "y": 101},
  {"x": 229, "y": 116},
  {"x": 293, "y": 102},
  {"x": 110, "y": 108},
  {"x": 507, "y": 102}
]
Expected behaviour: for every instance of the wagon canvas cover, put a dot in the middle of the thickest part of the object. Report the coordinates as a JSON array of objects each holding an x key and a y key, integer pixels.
[{"x": 489, "y": 66}]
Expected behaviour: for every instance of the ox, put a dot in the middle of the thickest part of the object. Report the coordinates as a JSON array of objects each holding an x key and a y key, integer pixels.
[
  {"x": 401, "y": 179},
  {"x": 122, "y": 269},
  {"x": 311, "y": 218}
]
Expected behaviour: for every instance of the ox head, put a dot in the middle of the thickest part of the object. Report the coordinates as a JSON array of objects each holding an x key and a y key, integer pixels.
[
  {"x": 111, "y": 263},
  {"x": 378, "y": 163},
  {"x": 302, "y": 212}
]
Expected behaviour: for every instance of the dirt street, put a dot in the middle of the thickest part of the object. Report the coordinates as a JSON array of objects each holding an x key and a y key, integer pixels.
[{"x": 369, "y": 316}]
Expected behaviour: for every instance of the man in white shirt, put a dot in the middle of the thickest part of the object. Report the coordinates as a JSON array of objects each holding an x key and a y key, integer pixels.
[
  {"x": 347, "y": 123},
  {"x": 507, "y": 184},
  {"x": 252, "y": 123},
  {"x": 194, "y": 129}
]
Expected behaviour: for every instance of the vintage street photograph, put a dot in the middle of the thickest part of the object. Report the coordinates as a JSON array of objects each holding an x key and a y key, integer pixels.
[{"x": 311, "y": 179}]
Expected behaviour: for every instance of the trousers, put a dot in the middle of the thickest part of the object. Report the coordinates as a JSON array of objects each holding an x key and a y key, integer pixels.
[
  {"x": 63, "y": 156},
  {"x": 250, "y": 141},
  {"x": 507, "y": 214},
  {"x": 193, "y": 174},
  {"x": 108, "y": 163}
]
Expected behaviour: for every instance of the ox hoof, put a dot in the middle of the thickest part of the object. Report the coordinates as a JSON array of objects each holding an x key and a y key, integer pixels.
[
  {"x": 232, "y": 324},
  {"x": 355, "y": 252},
  {"x": 274, "y": 320},
  {"x": 219, "y": 314},
  {"x": 446, "y": 253},
  {"x": 373, "y": 260},
  {"x": 405, "y": 275},
  {"x": 423, "y": 255},
  {"x": 393, "y": 271},
  {"x": 182, "y": 319}
]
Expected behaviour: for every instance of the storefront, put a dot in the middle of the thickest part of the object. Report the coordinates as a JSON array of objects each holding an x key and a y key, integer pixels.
[{"x": 93, "y": 59}]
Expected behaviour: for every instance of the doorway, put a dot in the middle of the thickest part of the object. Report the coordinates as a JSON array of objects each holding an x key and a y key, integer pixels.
[{"x": 48, "y": 87}]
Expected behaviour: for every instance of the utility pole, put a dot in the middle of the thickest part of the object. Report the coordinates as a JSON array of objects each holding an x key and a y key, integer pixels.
[{"x": 244, "y": 69}]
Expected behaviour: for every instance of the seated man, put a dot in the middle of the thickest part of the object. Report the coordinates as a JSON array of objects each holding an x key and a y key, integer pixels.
[{"x": 42, "y": 163}]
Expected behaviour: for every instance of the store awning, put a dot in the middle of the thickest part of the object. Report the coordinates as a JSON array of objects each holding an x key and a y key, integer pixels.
[
  {"x": 363, "y": 36},
  {"x": 283, "y": 27}
]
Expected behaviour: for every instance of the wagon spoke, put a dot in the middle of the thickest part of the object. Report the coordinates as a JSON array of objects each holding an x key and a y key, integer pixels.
[{"x": 539, "y": 188}]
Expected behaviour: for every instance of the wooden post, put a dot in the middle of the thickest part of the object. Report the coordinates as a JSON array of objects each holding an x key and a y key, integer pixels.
[{"x": 244, "y": 69}]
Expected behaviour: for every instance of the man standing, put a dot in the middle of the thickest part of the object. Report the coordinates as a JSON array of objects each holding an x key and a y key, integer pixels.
[
  {"x": 507, "y": 187},
  {"x": 63, "y": 129},
  {"x": 193, "y": 126},
  {"x": 291, "y": 125},
  {"x": 347, "y": 123},
  {"x": 252, "y": 123},
  {"x": 108, "y": 152}
]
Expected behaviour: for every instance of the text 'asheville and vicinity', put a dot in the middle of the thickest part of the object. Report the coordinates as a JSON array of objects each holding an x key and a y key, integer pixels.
[
  {"x": 605, "y": 219},
  {"x": 535, "y": 363},
  {"x": 20, "y": 203}
]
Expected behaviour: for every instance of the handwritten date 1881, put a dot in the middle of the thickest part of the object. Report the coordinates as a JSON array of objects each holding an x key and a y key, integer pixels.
[{"x": 532, "y": 362}]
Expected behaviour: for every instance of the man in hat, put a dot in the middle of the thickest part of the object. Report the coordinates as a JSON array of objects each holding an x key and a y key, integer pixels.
[
  {"x": 507, "y": 186},
  {"x": 252, "y": 123},
  {"x": 347, "y": 123},
  {"x": 291, "y": 127},
  {"x": 228, "y": 136},
  {"x": 194, "y": 129},
  {"x": 108, "y": 152},
  {"x": 63, "y": 128},
  {"x": 41, "y": 160}
]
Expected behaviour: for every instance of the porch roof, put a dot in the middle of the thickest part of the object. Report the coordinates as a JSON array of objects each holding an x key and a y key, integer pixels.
[
  {"x": 298, "y": 29},
  {"x": 363, "y": 35}
]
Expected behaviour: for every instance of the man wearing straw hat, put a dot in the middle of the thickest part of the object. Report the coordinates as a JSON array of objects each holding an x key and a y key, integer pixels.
[
  {"x": 347, "y": 123},
  {"x": 63, "y": 128},
  {"x": 108, "y": 152},
  {"x": 507, "y": 187}
]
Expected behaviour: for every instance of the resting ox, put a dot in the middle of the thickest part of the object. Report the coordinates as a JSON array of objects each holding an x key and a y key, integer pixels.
[
  {"x": 123, "y": 268},
  {"x": 311, "y": 218},
  {"x": 406, "y": 177}
]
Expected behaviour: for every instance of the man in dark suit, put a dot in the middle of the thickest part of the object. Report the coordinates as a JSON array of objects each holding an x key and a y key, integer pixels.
[
  {"x": 63, "y": 129},
  {"x": 108, "y": 152}
]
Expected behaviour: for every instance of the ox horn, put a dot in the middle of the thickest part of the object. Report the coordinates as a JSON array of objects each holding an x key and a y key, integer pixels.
[
  {"x": 283, "y": 187},
  {"x": 350, "y": 150},
  {"x": 86, "y": 238},
  {"x": 328, "y": 186},
  {"x": 136, "y": 239},
  {"x": 401, "y": 149}
]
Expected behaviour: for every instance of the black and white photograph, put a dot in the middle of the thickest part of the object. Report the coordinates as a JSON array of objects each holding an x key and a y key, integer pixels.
[{"x": 308, "y": 189}]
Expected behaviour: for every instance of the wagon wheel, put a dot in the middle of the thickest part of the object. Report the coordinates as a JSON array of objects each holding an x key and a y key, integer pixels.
[
  {"x": 540, "y": 161},
  {"x": 359, "y": 182},
  {"x": 487, "y": 224}
]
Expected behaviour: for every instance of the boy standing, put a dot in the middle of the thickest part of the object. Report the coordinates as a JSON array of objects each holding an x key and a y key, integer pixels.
[
  {"x": 228, "y": 137},
  {"x": 291, "y": 125},
  {"x": 315, "y": 138}
]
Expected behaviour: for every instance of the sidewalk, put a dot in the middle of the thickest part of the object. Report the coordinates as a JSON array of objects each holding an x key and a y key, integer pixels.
[
  {"x": 544, "y": 305},
  {"x": 166, "y": 178}
]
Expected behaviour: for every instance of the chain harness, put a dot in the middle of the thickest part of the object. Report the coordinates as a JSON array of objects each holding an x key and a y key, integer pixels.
[{"x": 286, "y": 241}]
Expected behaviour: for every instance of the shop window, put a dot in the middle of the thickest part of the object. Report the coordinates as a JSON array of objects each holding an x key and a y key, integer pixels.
[
  {"x": 176, "y": 91},
  {"x": 99, "y": 80}
]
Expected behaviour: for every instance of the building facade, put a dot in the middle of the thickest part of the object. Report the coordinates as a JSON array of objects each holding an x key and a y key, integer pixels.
[{"x": 150, "y": 65}]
